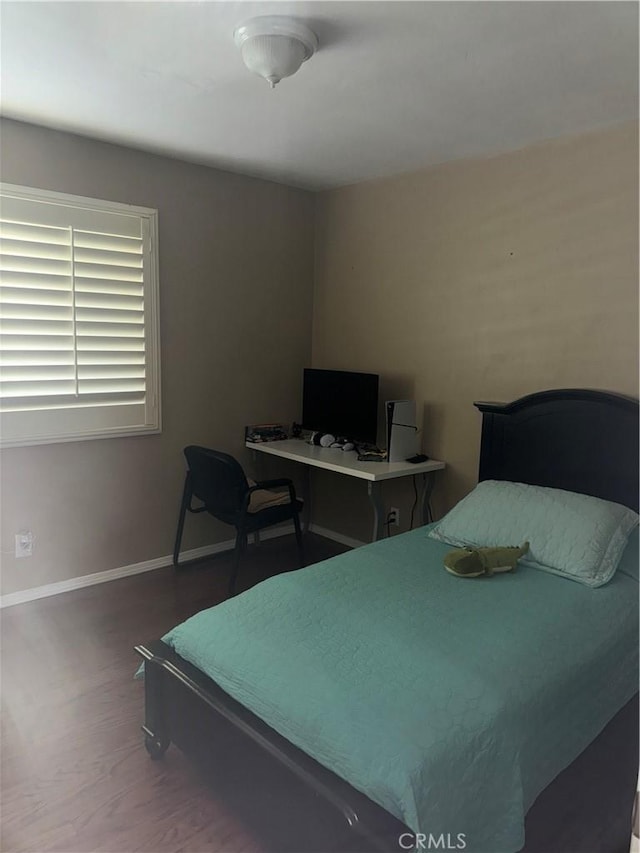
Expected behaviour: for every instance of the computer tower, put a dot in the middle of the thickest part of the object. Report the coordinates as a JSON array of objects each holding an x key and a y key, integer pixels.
[{"x": 402, "y": 432}]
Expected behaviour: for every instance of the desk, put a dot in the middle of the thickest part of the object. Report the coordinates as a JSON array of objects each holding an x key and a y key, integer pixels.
[{"x": 334, "y": 459}]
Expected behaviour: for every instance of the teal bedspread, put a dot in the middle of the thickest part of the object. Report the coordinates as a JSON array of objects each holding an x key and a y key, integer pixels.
[{"x": 452, "y": 703}]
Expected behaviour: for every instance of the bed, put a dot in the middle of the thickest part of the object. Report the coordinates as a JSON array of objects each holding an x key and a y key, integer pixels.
[{"x": 418, "y": 706}]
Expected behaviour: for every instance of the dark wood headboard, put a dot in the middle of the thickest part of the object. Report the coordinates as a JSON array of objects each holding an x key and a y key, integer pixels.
[{"x": 575, "y": 439}]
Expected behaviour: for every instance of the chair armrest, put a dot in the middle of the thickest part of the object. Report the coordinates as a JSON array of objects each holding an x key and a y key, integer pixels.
[{"x": 270, "y": 484}]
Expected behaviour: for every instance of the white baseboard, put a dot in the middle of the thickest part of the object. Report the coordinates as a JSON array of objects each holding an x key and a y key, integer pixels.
[
  {"x": 336, "y": 537},
  {"x": 25, "y": 595}
]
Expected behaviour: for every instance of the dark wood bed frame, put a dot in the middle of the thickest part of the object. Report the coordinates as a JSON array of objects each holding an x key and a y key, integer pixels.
[{"x": 581, "y": 440}]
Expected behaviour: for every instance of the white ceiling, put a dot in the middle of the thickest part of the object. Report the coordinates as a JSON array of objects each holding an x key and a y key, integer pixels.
[{"x": 395, "y": 86}]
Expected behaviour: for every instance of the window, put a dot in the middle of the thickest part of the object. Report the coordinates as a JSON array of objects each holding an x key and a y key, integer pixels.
[{"x": 79, "y": 323}]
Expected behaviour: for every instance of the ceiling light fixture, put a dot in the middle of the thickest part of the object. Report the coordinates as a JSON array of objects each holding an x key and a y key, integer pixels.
[{"x": 275, "y": 46}]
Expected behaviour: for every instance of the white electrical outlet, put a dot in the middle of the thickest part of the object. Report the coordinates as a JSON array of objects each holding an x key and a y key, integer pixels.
[
  {"x": 394, "y": 516},
  {"x": 24, "y": 543}
]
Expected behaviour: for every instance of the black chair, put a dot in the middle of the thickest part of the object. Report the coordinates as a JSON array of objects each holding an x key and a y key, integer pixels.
[{"x": 218, "y": 481}]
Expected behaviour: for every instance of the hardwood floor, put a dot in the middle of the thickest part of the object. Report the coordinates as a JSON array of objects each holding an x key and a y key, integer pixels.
[
  {"x": 77, "y": 779},
  {"x": 75, "y": 774}
]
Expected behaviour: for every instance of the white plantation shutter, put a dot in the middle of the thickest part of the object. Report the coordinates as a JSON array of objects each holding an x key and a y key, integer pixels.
[{"x": 78, "y": 318}]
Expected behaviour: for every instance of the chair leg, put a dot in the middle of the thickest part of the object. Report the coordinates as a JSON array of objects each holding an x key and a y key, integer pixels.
[
  {"x": 241, "y": 540},
  {"x": 296, "y": 524},
  {"x": 186, "y": 497}
]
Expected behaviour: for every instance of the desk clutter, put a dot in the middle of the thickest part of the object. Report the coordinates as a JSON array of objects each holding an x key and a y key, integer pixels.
[
  {"x": 365, "y": 452},
  {"x": 372, "y": 454},
  {"x": 259, "y": 433}
]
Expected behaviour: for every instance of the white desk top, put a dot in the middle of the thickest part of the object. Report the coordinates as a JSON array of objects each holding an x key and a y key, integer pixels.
[{"x": 334, "y": 459}]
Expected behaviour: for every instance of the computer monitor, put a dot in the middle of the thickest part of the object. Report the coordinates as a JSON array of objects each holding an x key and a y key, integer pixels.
[{"x": 342, "y": 403}]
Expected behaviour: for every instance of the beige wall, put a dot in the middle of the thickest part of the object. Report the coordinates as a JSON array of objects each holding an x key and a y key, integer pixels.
[
  {"x": 236, "y": 257},
  {"x": 484, "y": 279}
]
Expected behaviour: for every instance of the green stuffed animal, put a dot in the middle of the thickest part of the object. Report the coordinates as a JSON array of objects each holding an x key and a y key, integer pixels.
[{"x": 474, "y": 562}]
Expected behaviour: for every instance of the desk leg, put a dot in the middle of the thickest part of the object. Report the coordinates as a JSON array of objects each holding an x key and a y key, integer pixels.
[
  {"x": 425, "y": 497},
  {"x": 375, "y": 496}
]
